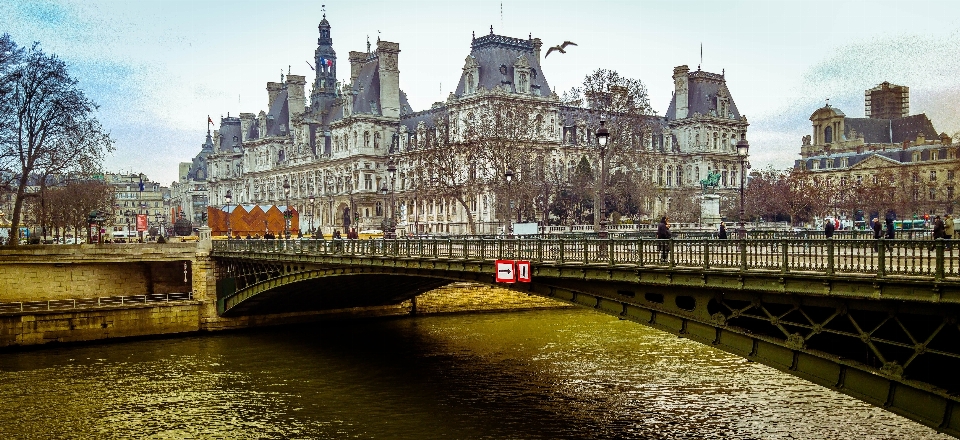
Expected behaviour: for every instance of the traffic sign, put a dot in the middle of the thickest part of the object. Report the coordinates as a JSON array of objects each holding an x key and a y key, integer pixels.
[
  {"x": 506, "y": 272},
  {"x": 523, "y": 271}
]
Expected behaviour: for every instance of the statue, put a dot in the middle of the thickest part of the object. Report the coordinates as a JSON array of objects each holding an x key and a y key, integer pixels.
[
  {"x": 712, "y": 180},
  {"x": 806, "y": 140}
]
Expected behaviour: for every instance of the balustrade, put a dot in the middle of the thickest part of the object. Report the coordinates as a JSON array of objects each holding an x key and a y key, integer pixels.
[{"x": 916, "y": 258}]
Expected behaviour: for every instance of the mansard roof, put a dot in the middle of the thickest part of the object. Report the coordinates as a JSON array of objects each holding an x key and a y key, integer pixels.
[
  {"x": 366, "y": 89},
  {"x": 491, "y": 52},
  {"x": 894, "y": 156},
  {"x": 279, "y": 115},
  {"x": 702, "y": 90},
  {"x": 231, "y": 136},
  {"x": 890, "y": 131}
]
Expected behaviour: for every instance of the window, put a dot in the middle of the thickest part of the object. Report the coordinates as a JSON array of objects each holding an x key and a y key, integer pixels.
[
  {"x": 916, "y": 177},
  {"x": 379, "y": 209},
  {"x": 669, "y": 176},
  {"x": 367, "y": 181},
  {"x": 859, "y": 179},
  {"x": 949, "y": 174},
  {"x": 828, "y": 135},
  {"x": 933, "y": 193},
  {"x": 933, "y": 175},
  {"x": 843, "y": 181}
]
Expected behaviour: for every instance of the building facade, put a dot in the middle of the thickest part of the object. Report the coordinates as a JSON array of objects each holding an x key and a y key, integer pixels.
[
  {"x": 911, "y": 167},
  {"x": 328, "y": 158}
]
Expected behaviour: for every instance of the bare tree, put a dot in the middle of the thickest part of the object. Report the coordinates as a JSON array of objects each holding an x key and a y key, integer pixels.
[
  {"x": 52, "y": 128},
  {"x": 624, "y": 106},
  {"x": 71, "y": 205}
]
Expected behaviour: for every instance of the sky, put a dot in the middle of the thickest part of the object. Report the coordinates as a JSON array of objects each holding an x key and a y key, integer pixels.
[{"x": 157, "y": 68}]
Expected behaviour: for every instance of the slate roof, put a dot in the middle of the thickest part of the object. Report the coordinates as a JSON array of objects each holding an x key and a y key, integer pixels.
[
  {"x": 366, "y": 99},
  {"x": 231, "y": 139},
  {"x": 890, "y": 131},
  {"x": 492, "y": 51},
  {"x": 895, "y": 155},
  {"x": 279, "y": 115},
  {"x": 702, "y": 89}
]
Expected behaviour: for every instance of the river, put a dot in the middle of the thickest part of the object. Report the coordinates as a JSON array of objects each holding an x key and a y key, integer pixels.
[{"x": 548, "y": 374}]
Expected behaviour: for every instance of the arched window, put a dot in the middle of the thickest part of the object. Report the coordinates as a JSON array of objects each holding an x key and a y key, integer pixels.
[
  {"x": 366, "y": 139},
  {"x": 716, "y": 140},
  {"x": 679, "y": 176},
  {"x": 379, "y": 209},
  {"x": 828, "y": 135},
  {"x": 376, "y": 140}
]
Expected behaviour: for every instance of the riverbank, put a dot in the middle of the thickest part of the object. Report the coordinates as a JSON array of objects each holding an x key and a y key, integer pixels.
[{"x": 90, "y": 323}]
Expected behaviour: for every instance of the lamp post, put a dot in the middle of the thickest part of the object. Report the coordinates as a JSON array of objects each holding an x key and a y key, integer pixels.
[
  {"x": 313, "y": 212},
  {"x": 391, "y": 230},
  {"x": 159, "y": 218},
  {"x": 287, "y": 215},
  {"x": 143, "y": 207},
  {"x": 228, "y": 198},
  {"x": 743, "y": 147},
  {"x": 602, "y": 136},
  {"x": 509, "y": 176}
]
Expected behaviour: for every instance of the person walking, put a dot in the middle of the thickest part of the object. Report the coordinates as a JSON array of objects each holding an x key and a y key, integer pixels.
[
  {"x": 723, "y": 232},
  {"x": 663, "y": 233},
  {"x": 938, "y": 228},
  {"x": 877, "y": 232},
  {"x": 890, "y": 229},
  {"x": 948, "y": 227},
  {"x": 828, "y": 228}
]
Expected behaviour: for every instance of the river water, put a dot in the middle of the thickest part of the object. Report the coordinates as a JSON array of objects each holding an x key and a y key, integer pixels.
[{"x": 549, "y": 374}]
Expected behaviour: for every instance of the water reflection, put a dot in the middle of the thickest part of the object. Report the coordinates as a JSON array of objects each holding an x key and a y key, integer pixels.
[{"x": 532, "y": 375}]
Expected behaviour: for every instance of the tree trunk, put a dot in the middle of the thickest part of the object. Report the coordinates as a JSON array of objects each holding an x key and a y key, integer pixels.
[{"x": 17, "y": 209}]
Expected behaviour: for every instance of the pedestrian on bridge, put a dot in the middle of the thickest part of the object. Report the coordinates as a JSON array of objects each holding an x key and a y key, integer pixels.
[
  {"x": 828, "y": 228},
  {"x": 877, "y": 232},
  {"x": 723, "y": 232},
  {"x": 890, "y": 228},
  {"x": 948, "y": 227},
  {"x": 663, "y": 233}
]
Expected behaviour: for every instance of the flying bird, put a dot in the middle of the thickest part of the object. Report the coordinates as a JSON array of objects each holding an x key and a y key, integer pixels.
[{"x": 560, "y": 48}]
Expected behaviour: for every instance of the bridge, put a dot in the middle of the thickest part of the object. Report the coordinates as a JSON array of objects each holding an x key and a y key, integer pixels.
[{"x": 877, "y": 320}]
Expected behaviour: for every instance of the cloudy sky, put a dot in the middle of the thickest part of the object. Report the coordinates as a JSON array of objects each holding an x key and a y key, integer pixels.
[{"x": 159, "y": 67}]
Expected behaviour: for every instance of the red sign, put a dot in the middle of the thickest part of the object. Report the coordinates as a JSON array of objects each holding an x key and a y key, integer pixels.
[
  {"x": 141, "y": 222},
  {"x": 523, "y": 272},
  {"x": 506, "y": 272}
]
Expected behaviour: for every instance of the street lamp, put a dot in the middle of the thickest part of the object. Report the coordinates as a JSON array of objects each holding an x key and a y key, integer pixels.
[
  {"x": 287, "y": 215},
  {"x": 313, "y": 212},
  {"x": 602, "y": 136},
  {"x": 391, "y": 230},
  {"x": 743, "y": 147},
  {"x": 509, "y": 176},
  {"x": 159, "y": 218},
  {"x": 228, "y": 198}
]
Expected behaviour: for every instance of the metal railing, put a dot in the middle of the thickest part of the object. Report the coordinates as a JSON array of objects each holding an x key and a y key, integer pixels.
[
  {"x": 91, "y": 303},
  {"x": 917, "y": 258}
]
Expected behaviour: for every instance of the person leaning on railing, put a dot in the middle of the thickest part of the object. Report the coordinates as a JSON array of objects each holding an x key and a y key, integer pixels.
[{"x": 663, "y": 233}]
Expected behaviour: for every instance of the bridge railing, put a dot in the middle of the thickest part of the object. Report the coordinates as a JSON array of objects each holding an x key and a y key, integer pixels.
[{"x": 925, "y": 258}]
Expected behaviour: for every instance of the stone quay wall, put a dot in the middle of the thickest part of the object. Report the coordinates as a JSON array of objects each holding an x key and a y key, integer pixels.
[
  {"x": 43, "y": 273},
  {"x": 93, "y": 324}
]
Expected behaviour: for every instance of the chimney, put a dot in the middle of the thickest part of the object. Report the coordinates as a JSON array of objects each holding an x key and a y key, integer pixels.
[
  {"x": 356, "y": 61},
  {"x": 246, "y": 121},
  {"x": 681, "y": 86},
  {"x": 387, "y": 53},
  {"x": 296, "y": 98},
  {"x": 537, "y": 44},
  {"x": 273, "y": 89}
]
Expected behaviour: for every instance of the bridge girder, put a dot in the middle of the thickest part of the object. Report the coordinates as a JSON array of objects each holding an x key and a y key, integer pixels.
[{"x": 895, "y": 354}]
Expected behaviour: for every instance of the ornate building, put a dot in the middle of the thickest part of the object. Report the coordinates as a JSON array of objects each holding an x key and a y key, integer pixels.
[
  {"x": 904, "y": 153},
  {"x": 328, "y": 158}
]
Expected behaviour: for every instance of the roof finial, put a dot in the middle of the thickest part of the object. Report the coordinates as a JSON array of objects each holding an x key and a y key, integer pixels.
[
  {"x": 491, "y": 29},
  {"x": 368, "y": 43},
  {"x": 473, "y": 35},
  {"x": 288, "y": 70},
  {"x": 323, "y": 8},
  {"x": 828, "y": 102},
  {"x": 281, "y": 75},
  {"x": 378, "y": 35}
]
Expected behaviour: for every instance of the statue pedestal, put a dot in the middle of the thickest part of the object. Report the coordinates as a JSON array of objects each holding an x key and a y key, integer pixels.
[{"x": 710, "y": 211}]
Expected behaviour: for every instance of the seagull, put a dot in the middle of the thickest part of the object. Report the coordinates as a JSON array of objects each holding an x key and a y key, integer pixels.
[{"x": 560, "y": 48}]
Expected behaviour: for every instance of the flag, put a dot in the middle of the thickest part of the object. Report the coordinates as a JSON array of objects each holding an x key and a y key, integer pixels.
[
  {"x": 209, "y": 121},
  {"x": 141, "y": 183},
  {"x": 329, "y": 63}
]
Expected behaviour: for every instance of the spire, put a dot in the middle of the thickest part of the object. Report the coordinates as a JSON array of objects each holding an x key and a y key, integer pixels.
[
  {"x": 368, "y": 43},
  {"x": 491, "y": 29}
]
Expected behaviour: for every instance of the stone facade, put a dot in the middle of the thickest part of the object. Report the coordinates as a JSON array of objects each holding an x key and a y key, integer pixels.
[{"x": 335, "y": 148}]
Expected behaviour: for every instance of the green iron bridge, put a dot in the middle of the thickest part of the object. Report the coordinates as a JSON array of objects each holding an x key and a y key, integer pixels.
[{"x": 874, "y": 319}]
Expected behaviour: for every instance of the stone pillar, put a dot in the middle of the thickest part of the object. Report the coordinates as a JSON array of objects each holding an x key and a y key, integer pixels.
[{"x": 710, "y": 211}]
